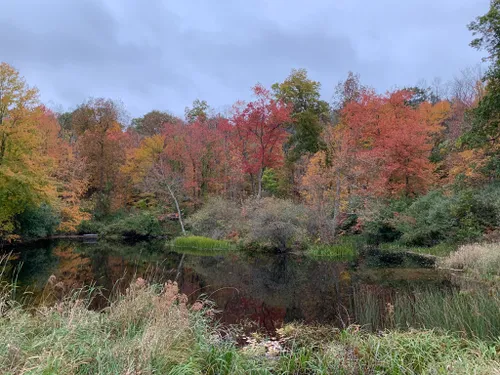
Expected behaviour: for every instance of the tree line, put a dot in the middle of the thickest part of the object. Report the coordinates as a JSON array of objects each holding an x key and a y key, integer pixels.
[{"x": 59, "y": 169}]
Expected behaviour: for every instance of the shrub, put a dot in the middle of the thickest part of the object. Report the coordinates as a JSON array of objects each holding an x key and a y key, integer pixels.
[
  {"x": 135, "y": 224},
  {"x": 427, "y": 221},
  {"x": 276, "y": 223},
  {"x": 38, "y": 222},
  {"x": 142, "y": 224},
  {"x": 218, "y": 218},
  {"x": 458, "y": 216}
]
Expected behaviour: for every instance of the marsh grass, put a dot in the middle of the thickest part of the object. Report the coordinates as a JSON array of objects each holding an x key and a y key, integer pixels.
[
  {"x": 482, "y": 261},
  {"x": 346, "y": 248},
  {"x": 473, "y": 314},
  {"x": 201, "y": 243}
]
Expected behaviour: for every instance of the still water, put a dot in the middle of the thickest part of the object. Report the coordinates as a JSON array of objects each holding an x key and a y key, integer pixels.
[{"x": 263, "y": 290}]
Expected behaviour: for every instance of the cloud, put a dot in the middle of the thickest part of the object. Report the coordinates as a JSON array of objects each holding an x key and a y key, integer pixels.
[{"x": 164, "y": 54}]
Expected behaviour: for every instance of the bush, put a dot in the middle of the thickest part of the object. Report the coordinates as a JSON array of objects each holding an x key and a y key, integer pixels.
[
  {"x": 276, "y": 223},
  {"x": 427, "y": 221},
  {"x": 460, "y": 216},
  {"x": 142, "y": 224},
  {"x": 135, "y": 224},
  {"x": 38, "y": 222},
  {"x": 380, "y": 226},
  {"x": 218, "y": 218}
]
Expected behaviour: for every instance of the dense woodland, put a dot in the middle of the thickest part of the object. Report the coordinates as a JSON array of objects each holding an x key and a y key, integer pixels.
[{"x": 418, "y": 165}]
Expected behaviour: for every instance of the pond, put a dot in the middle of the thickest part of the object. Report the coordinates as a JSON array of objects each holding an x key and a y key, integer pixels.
[{"x": 263, "y": 290}]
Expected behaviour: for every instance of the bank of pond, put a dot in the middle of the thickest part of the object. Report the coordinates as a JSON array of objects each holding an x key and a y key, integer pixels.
[{"x": 106, "y": 307}]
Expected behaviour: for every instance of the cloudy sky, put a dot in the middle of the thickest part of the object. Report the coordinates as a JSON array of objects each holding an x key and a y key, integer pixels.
[{"x": 162, "y": 54}]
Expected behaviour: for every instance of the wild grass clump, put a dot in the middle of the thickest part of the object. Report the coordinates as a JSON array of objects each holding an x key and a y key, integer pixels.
[
  {"x": 201, "y": 243},
  {"x": 479, "y": 260}
]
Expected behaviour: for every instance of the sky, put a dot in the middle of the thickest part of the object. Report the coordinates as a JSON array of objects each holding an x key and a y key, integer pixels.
[{"x": 163, "y": 54}]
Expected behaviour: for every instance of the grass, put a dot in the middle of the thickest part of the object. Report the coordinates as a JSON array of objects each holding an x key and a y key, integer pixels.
[
  {"x": 482, "y": 261},
  {"x": 151, "y": 329},
  {"x": 201, "y": 243},
  {"x": 473, "y": 314},
  {"x": 346, "y": 248}
]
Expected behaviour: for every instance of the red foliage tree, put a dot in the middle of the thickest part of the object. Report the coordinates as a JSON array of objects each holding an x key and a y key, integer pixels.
[
  {"x": 259, "y": 134},
  {"x": 394, "y": 141}
]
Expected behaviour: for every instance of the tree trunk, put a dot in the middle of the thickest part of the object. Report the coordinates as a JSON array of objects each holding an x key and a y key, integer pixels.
[
  {"x": 3, "y": 147},
  {"x": 336, "y": 207},
  {"x": 259, "y": 192},
  {"x": 179, "y": 268},
  {"x": 178, "y": 209}
]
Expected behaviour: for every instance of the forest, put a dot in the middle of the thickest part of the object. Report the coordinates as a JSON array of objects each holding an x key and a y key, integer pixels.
[{"x": 416, "y": 165}]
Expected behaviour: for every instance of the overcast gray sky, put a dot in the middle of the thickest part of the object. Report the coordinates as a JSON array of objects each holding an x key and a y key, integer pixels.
[{"x": 154, "y": 54}]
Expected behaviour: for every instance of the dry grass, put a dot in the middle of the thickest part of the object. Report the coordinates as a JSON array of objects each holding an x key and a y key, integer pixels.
[{"x": 481, "y": 260}]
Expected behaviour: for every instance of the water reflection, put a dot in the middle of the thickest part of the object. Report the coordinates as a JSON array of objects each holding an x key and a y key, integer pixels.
[{"x": 267, "y": 290}]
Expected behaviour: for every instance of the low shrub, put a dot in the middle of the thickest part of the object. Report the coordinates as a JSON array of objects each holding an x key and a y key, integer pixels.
[
  {"x": 267, "y": 223},
  {"x": 276, "y": 223},
  {"x": 137, "y": 224},
  {"x": 218, "y": 218}
]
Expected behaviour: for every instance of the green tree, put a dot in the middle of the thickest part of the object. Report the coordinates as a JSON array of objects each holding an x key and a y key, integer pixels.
[
  {"x": 309, "y": 113},
  {"x": 485, "y": 131},
  {"x": 199, "y": 111},
  {"x": 152, "y": 122}
]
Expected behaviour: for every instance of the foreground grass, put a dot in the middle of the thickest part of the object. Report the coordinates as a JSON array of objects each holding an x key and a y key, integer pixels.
[
  {"x": 152, "y": 330},
  {"x": 472, "y": 314},
  {"x": 202, "y": 243}
]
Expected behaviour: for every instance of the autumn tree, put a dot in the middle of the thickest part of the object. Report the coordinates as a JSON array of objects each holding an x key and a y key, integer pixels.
[
  {"x": 23, "y": 181},
  {"x": 151, "y": 169},
  {"x": 395, "y": 141},
  {"x": 97, "y": 123},
  {"x": 259, "y": 134}
]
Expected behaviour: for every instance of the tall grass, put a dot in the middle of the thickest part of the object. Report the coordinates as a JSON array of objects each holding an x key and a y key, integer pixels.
[
  {"x": 202, "y": 243},
  {"x": 480, "y": 260},
  {"x": 474, "y": 314}
]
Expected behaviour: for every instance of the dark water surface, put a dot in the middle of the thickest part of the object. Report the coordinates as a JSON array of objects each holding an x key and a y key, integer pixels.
[{"x": 264, "y": 289}]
